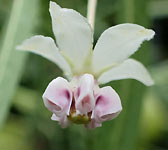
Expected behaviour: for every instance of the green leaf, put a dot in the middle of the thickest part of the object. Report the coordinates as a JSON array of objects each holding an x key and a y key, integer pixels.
[{"x": 19, "y": 27}]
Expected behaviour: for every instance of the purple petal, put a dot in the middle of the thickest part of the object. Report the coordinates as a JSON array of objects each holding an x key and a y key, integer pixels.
[
  {"x": 84, "y": 98},
  {"x": 58, "y": 97},
  {"x": 108, "y": 105}
]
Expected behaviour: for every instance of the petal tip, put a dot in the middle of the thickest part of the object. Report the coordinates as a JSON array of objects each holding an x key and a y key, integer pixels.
[
  {"x": 26, "y": 45},
  {"x": 150, "y": 33},
  {"x": 53, "y": 5},
  {"x": 22, "y": 47},
  {"x": 150, "y": 83},
  {"x": 54, "y": 118}
]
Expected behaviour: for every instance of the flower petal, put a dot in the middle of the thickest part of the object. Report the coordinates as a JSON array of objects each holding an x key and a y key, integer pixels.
[
  {"x": 73, "y": 34},
  {"x": 93, "y": 124},
  {"x": 45, "y": 46},
  {"x": 117, "y": 44},
  {"x": 62, "y": 121},
  {"x": 58, "y": 97},
  {"x": 108, "y": 105},
  {"x": 130, "y": 68},
  {"x": 84, "y": 98}
]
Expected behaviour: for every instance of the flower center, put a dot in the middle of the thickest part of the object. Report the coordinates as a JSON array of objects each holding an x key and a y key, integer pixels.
[{"x": 78, "y": 118}]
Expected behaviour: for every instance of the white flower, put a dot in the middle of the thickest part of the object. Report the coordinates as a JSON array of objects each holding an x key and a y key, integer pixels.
[{"x": 81, "y": 100}]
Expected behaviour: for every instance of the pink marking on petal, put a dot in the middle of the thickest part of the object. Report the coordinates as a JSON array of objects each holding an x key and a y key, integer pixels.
[
  {"x": 100, "y": 100},
  {"x": 54, "y": 105},
  {"x": 78, "y": 92},
  {"x": 108, "y": 105},
  {"x": 67, "y": 94},
  {"x": 110, "y": 116},
  {"x": 86, "y": 102},
  {"x": 51, "y": 103},
  {"x": 84, "y": 96},
  {"x": 58, "y": 97}
]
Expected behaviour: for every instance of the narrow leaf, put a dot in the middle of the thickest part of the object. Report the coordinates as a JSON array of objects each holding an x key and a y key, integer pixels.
[{"x": 19, "y": 25}]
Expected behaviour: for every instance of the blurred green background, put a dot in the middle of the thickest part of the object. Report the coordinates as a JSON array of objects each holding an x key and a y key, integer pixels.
[{"x": 24, "y": 121}]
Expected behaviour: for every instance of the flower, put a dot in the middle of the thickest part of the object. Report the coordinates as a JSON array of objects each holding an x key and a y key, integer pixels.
[{"x": 79, "y": 99}]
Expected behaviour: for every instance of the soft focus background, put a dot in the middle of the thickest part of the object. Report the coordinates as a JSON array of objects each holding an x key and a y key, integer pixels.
[{"x": 24, "y": 121}]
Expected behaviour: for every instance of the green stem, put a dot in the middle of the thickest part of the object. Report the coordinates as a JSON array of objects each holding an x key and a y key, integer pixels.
[{"x": 91, "y": 13}]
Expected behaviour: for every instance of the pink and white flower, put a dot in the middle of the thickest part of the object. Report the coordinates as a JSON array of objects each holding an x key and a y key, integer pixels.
[{"x": 79, "y": 99}]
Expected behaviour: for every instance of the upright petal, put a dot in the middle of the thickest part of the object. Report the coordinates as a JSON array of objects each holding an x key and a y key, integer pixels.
[
  {"x": 73, "y": 34},
  {"x": 108, "y": 105},
  {"x": 58, "y": 97},
  {"x": 84, "y": 96},
  {"x": 45, "y": 47},
  {"x": 117, "y": 44},
  {"x": 129, "y": 69}
]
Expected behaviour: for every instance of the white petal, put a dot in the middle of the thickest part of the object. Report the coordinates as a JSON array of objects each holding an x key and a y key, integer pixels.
[
  {"x": 45, "y": 47},
  {"x": 55, "y": 118},
  {"x": 84, "y": 98},
  {"x": 117, "y": 44},
  {"x": 129, "y": 69},
  {"x": 93, "y": 124},
  {"x": 73, "y": 34},
  {"x": 58, "y": 97},
  {"x": 62, "y": 121},
  {"x": 108, "y": 105}
]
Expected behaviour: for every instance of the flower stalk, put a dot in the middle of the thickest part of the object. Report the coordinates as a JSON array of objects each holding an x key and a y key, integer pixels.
[{"x": 91, "y": 12}]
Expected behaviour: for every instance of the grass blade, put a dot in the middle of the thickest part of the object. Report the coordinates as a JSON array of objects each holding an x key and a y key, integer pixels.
[{"x": 19, "y": 25}]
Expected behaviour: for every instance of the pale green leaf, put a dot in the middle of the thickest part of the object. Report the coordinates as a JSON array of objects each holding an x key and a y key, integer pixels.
[{"x": 19, "y": 25}]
